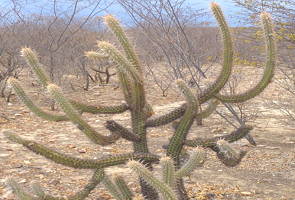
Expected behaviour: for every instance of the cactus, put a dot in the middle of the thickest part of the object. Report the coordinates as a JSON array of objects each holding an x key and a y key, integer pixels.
[{"x": 130, "y": 75}]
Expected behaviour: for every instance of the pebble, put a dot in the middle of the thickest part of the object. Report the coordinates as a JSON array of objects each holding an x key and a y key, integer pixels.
[{"x": 246, "y": 193}]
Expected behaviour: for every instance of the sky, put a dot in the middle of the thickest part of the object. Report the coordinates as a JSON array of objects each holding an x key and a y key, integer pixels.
[
  {"x": 228, "y": 7},
  {"x": 230, "y": 10}
]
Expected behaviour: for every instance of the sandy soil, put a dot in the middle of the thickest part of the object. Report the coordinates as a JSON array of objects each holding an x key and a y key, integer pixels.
[{"x": 266, "y": 173}]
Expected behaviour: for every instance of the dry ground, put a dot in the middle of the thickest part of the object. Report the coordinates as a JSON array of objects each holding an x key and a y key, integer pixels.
[{"x": 267, "y": 172}]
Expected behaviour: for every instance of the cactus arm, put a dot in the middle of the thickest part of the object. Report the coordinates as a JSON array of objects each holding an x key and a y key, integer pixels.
[
  {"x": 80, "y": 195},
  {"x": 74, "y": 116},
  {"x": 99, "y": 109},
  {"x": 196, "y": 159},
  {"x": 114, "y": 25},
  {"x": 79, "y": 163},
  {"x": 93, "y": 182},
  {"x": 166, "y": 118},
  {"x": 176, "y": 142},
  {"x": 238, "y": 134},
  {"x": 33, "y": 61},
  {"x": 123, "y": 187},
  {"x": 178, "y": 112},
  {"x": 116, "y": 28},
  {"x": 123, "y": 65},
  {"x": 227, "y": 56},
  {"x": 161, "y": 187},
  {"x": 269, "y": 66},
  {"x": 112, "y": 188},
  {"x": 168, "y": 171},
  {"x": 123, "y": 132},
  {"x": 29, "y": 103}
]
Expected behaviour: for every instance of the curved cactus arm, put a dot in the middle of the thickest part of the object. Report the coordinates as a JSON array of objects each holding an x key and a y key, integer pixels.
[
  {"x": 123, "y": 132},
  {"x": 123, "y": 187},
  {"x": 227, "y": 56},
  {"x": 80, "y": 195},
  {"x": 99, "y": 109},
  {"x": 176, "y": 142},
  {"x": 196, "y": 159},
  {"x": 33, "y": 61},
  {"x": 178, "y": 112},
  {"x": 168, "y": 171},
  {"x": 227, "y": 155},
  {"x": 166, "y": 118},
  {"x": 19, "y": 191},
  {"x": 112, "y": 188},
  {"x": 166, "y": 191},
  {"x": 29, "y": 103},
  {"x": 236, "y": 135},
  {"x": 79, "y": 163},
  {"x": 123, "y": 65},
  {"x": 269, "y": 66},
  {"x": 74, "y": 116}
]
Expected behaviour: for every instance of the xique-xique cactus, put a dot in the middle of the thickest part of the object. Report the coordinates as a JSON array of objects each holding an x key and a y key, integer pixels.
[{"x": 170, "y": 186}]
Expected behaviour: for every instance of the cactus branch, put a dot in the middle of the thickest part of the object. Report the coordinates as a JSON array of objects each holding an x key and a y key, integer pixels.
[
  {"x": 74, "y": 116},
  {"x": 176, "y": 142},
  {"x": 168, "y": 171},
  {"x": 269, "y": 66},
  {"x": 118, "y": 129},
  {"x": 79, "y": 163},
  {"x": 112, "y": 188},
  {"x": 178, "y": 112},
  {"x": 227, "y": 155},
  {"x": 196, "y": 159},
  {"x": 29, "y": 103},
  {"x": 160, "y": 186},
  {"x": 227, "y": 56},
  {"x": 99, "y": 109},
  {"x": 33, "y": 61},
  {"x": 19, "y": 191},
  {"x": 80, "y": 195},
  {"x": 123, "y": 187},
  {"x": 238, "y": 134},
  {"x": 115, "y": 26},
  {"x": 123, "y": 65}
]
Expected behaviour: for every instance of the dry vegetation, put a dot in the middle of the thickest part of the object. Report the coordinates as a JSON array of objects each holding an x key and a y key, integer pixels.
[{"x": 268, "y": 170}]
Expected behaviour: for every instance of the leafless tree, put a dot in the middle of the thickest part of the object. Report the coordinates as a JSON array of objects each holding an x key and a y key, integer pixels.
[{"x": 175, "y": 32}]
